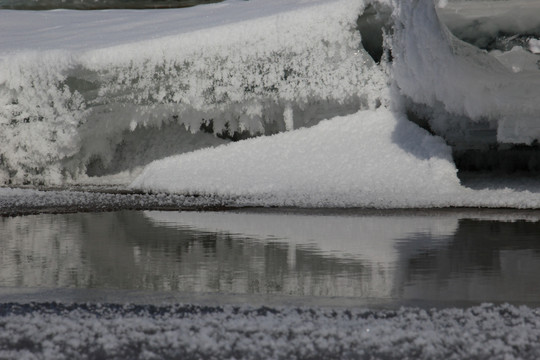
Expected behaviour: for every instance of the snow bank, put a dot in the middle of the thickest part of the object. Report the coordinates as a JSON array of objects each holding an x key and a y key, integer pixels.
[
  {"x": 73, "y": 85},
  {"x": 369, "y": 159},
  {"x": 93, "y": 94},
  {"x": 57, "y": 331}
]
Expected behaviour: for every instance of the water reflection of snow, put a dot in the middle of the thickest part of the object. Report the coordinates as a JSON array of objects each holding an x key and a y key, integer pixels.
[{"x": 389, "y": 256}]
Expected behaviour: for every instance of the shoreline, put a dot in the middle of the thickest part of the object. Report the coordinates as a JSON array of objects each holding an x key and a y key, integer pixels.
[{"x": 31, "y": 201}]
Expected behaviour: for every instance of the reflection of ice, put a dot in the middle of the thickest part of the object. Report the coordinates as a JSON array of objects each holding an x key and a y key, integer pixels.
[
  {"x": 376, "y": 241},
  {"x": 33, "y": 252},
  {"x": 456, "y": 255},
  {"x": 370, "y": 238},
  {"x": 433, "y": 256}
]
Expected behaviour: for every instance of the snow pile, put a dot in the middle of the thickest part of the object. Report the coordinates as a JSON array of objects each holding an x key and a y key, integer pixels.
[
  {"x": 57, "y": 331},
  {"x": 370, "y": 158},
  {"x": 373, "y": 159},
  {"x": 73, "y": 85}
]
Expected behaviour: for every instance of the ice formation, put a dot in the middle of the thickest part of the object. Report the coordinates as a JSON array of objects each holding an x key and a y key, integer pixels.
[
  {"x": 87, "y": 95},
  {"x": 73, "y": 85},
  {"x": 471, "y": 96}
]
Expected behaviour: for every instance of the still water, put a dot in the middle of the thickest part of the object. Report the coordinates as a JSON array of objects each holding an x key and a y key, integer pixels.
[{"x": 377, "y": 256}]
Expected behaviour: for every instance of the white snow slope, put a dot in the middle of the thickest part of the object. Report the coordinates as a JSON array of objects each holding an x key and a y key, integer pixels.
[
  {"x": 364, "y": 158},
  {"x": 369, "y": 159},
  {"x": 94, "y": 93}
]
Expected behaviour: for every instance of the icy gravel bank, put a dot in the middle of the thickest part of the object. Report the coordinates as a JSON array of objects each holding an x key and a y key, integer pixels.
[
  {"x": 519, "y": 194},
  {"x": 56, "y": 331},
  {"x": 27, "y": 201}
]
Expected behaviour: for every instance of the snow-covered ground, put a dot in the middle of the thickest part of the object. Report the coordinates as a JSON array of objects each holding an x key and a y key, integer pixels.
[
  {"x": 56, "y": 331},
  {"x": 93, "y": 98}
]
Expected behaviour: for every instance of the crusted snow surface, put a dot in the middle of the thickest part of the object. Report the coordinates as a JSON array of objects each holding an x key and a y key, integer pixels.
[
  {"x": 60, "y": 331},
  {"x": 75, "y": 85}
]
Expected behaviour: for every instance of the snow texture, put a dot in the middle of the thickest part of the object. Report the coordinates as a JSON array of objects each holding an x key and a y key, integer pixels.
[
  {"x": 62, "y": 331},
  {"x": 28, "y": 201}
]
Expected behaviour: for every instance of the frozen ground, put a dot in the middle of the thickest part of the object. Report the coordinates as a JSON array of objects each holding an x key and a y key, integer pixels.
[
  {"x": 60, "y": 331},
  {"x": 26, "y": 201}
]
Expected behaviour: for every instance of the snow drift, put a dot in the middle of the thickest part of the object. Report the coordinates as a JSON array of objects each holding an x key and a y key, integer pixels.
[{"x": 370, "y": 158}]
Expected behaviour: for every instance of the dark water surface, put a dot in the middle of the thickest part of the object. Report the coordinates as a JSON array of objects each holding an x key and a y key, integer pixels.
[{"x": 368, "y": 257}]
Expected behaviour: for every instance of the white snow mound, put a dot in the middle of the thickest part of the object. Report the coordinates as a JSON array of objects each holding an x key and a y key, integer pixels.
[{"x": 372, "y": 158}]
